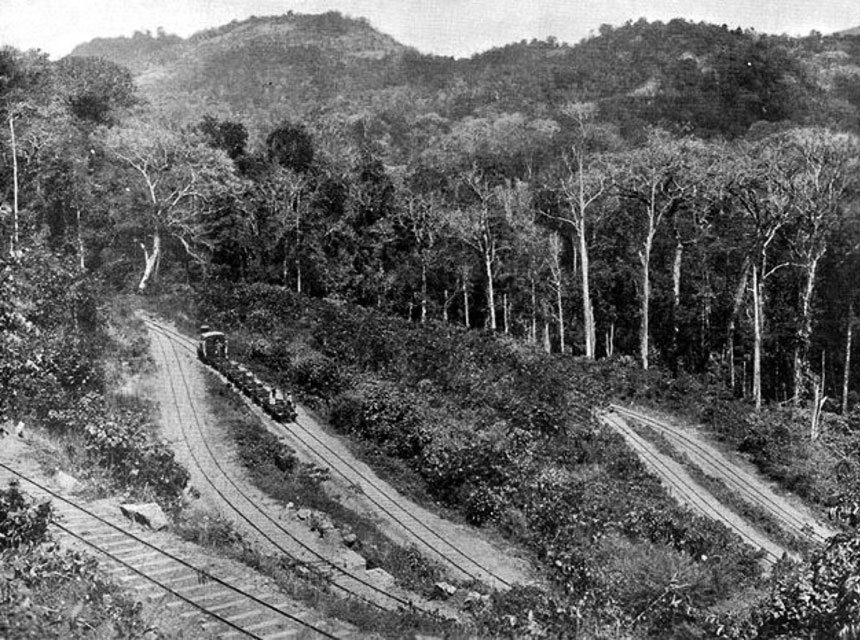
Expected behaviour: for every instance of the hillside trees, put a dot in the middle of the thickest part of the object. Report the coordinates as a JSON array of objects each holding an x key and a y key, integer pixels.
[
  {"x": 174, "y": 183},
  {"x": 583, "y": 185},
  {"x": 657, "y": 179},
  {"x": 819, "y": 180}
]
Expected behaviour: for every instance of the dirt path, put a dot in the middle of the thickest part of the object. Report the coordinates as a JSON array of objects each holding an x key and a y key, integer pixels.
[
  {"x": 687, "y": 491},
  {"x": 465, "y": 551},
  {"x": 738, "y": 475}
]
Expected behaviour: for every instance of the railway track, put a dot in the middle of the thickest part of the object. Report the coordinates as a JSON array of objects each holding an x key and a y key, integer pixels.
[
  {"x": 420, "y": 529},
  {"x": 713, "y": 463},
  {"x": 259, "y": 516},
  {"x": 680, "y": 485},
  {"x": 147, "y": 564}
]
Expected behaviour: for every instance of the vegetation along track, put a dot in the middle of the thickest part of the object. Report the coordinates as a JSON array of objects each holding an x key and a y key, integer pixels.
[
  {"x": 259, "y": 517},
  {"x": 688, "y": 491},
  {"x": 713, "y": 463},
  {"x": 411, "y": 524},
  {"x": 144, "y": 562}
]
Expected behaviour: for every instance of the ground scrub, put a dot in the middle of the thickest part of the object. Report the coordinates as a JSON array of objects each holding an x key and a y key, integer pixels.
[
  {"x": 47, "y": 592},
  {"x": 503, "y": 433},
  {"x": 118, "y": 441}
]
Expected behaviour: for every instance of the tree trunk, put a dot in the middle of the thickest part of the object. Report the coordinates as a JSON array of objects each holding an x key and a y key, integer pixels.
[
  {"x": 610, "y": 341},
  {"x": 846, "y": 374},
  {"x": 676, "y": 300},
  {"x": 758, "y": 312},
  {"x": 505, "y": 312},
  {"x": 738, "y": 300},
  {"x": 560, "y": 308},
  {"x": 644, "y": 328},
  {"x": 151, "y": 261},
  {"x": 547, "y": 346},
  {"x": 14, "y": 244},
  {"x": 587, "y": 306},
  {"x": 81, "y": 258},
  {"x": 423, "y": 293},
  {"x": 533, "y": 333},
  {"x": 465, "y": 301},
  {"x": 445, "y": 307},
  {"x": 801, "y": 351},
  {"x": 491, "y": 296},
  {"x": 298, "y": 247}
]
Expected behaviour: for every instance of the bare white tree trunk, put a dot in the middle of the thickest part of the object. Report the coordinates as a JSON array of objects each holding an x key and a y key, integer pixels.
[
  {"x": 506, "y": 312},
  {"x": 152, "y": 260},
  {"x": 533, "y": 331},
  {"x": 610, "y": 341},
  {"x": 644, "y": 327},
  {"x": 758, "y": 312},
  {"x": 556, "y": 271},
  {"x": 587, "y": 306},
  {"x": 423, "y": 293},
  {"x": 676, "y": 294},
  {"x": 491, "y": 296},
  {"x": 740, "y": 290},
  {"x": 465, "y": 301},
  {"x": 801, "y": 351},
  {"x": 81, "y": 255},
  {"x": 846, "y": 375},
  {"x": 15, "y": 242},
  {"x": 547, "y": 346}
]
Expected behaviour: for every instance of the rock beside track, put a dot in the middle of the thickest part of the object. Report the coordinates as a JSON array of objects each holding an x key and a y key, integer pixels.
[{"x": 148, "y": 514}]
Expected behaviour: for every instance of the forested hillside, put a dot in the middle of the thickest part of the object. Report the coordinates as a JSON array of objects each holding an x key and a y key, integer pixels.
[{"x": 674, "y": 206}]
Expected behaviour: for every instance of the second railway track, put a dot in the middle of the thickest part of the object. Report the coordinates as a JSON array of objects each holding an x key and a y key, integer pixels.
[
  {"x": 796, "y": 520},
  {"x": 685, "y": 489}
]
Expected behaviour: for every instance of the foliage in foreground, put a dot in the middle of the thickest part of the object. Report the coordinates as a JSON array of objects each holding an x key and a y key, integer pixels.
[{"x": 47, "y": 592}]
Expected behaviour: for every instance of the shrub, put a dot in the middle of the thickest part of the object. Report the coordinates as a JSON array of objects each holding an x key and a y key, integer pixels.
[{"x": 22, "y": 523}]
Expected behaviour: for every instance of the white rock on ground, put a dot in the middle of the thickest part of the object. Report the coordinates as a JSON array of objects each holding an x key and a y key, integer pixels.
[
  {"x": 149, "y": 514},
  {"x": 65, "y": 482}
]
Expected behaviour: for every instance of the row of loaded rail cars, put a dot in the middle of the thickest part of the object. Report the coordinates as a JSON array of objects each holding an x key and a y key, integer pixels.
[{"x": 212, "y": 349}]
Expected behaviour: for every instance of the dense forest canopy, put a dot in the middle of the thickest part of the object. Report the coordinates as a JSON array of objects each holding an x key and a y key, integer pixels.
[{"x": 680, "y": 195}]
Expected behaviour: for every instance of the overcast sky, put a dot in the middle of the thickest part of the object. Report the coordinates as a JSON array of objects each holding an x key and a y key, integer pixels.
[{"x": 448, "y": 27}]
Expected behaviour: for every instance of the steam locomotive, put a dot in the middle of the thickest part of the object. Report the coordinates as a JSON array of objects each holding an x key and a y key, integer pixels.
[{"x": 212, "y": 350}]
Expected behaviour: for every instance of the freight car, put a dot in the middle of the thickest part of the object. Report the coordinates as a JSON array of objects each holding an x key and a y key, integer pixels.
[{"x": 212, "y": 350}]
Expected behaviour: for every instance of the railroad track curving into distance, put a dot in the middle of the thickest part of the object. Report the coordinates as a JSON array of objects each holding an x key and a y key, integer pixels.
[
  {"x": 142, "y": 561},
  {"x": 260, "y": 519},
  {"x": 413, "y": 525},
  {"x": 796, "y": 520},
  {"x": 682, "y": 486}
]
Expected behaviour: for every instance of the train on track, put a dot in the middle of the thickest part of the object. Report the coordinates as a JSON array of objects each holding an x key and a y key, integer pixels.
[{"x": 212, "y": 350}]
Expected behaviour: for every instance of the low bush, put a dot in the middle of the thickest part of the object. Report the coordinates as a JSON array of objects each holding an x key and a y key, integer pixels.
[
  {"x": 22, "y": 523},
  {"x": 119, "y": 440},
  {"x": 46, "y": 592}
]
